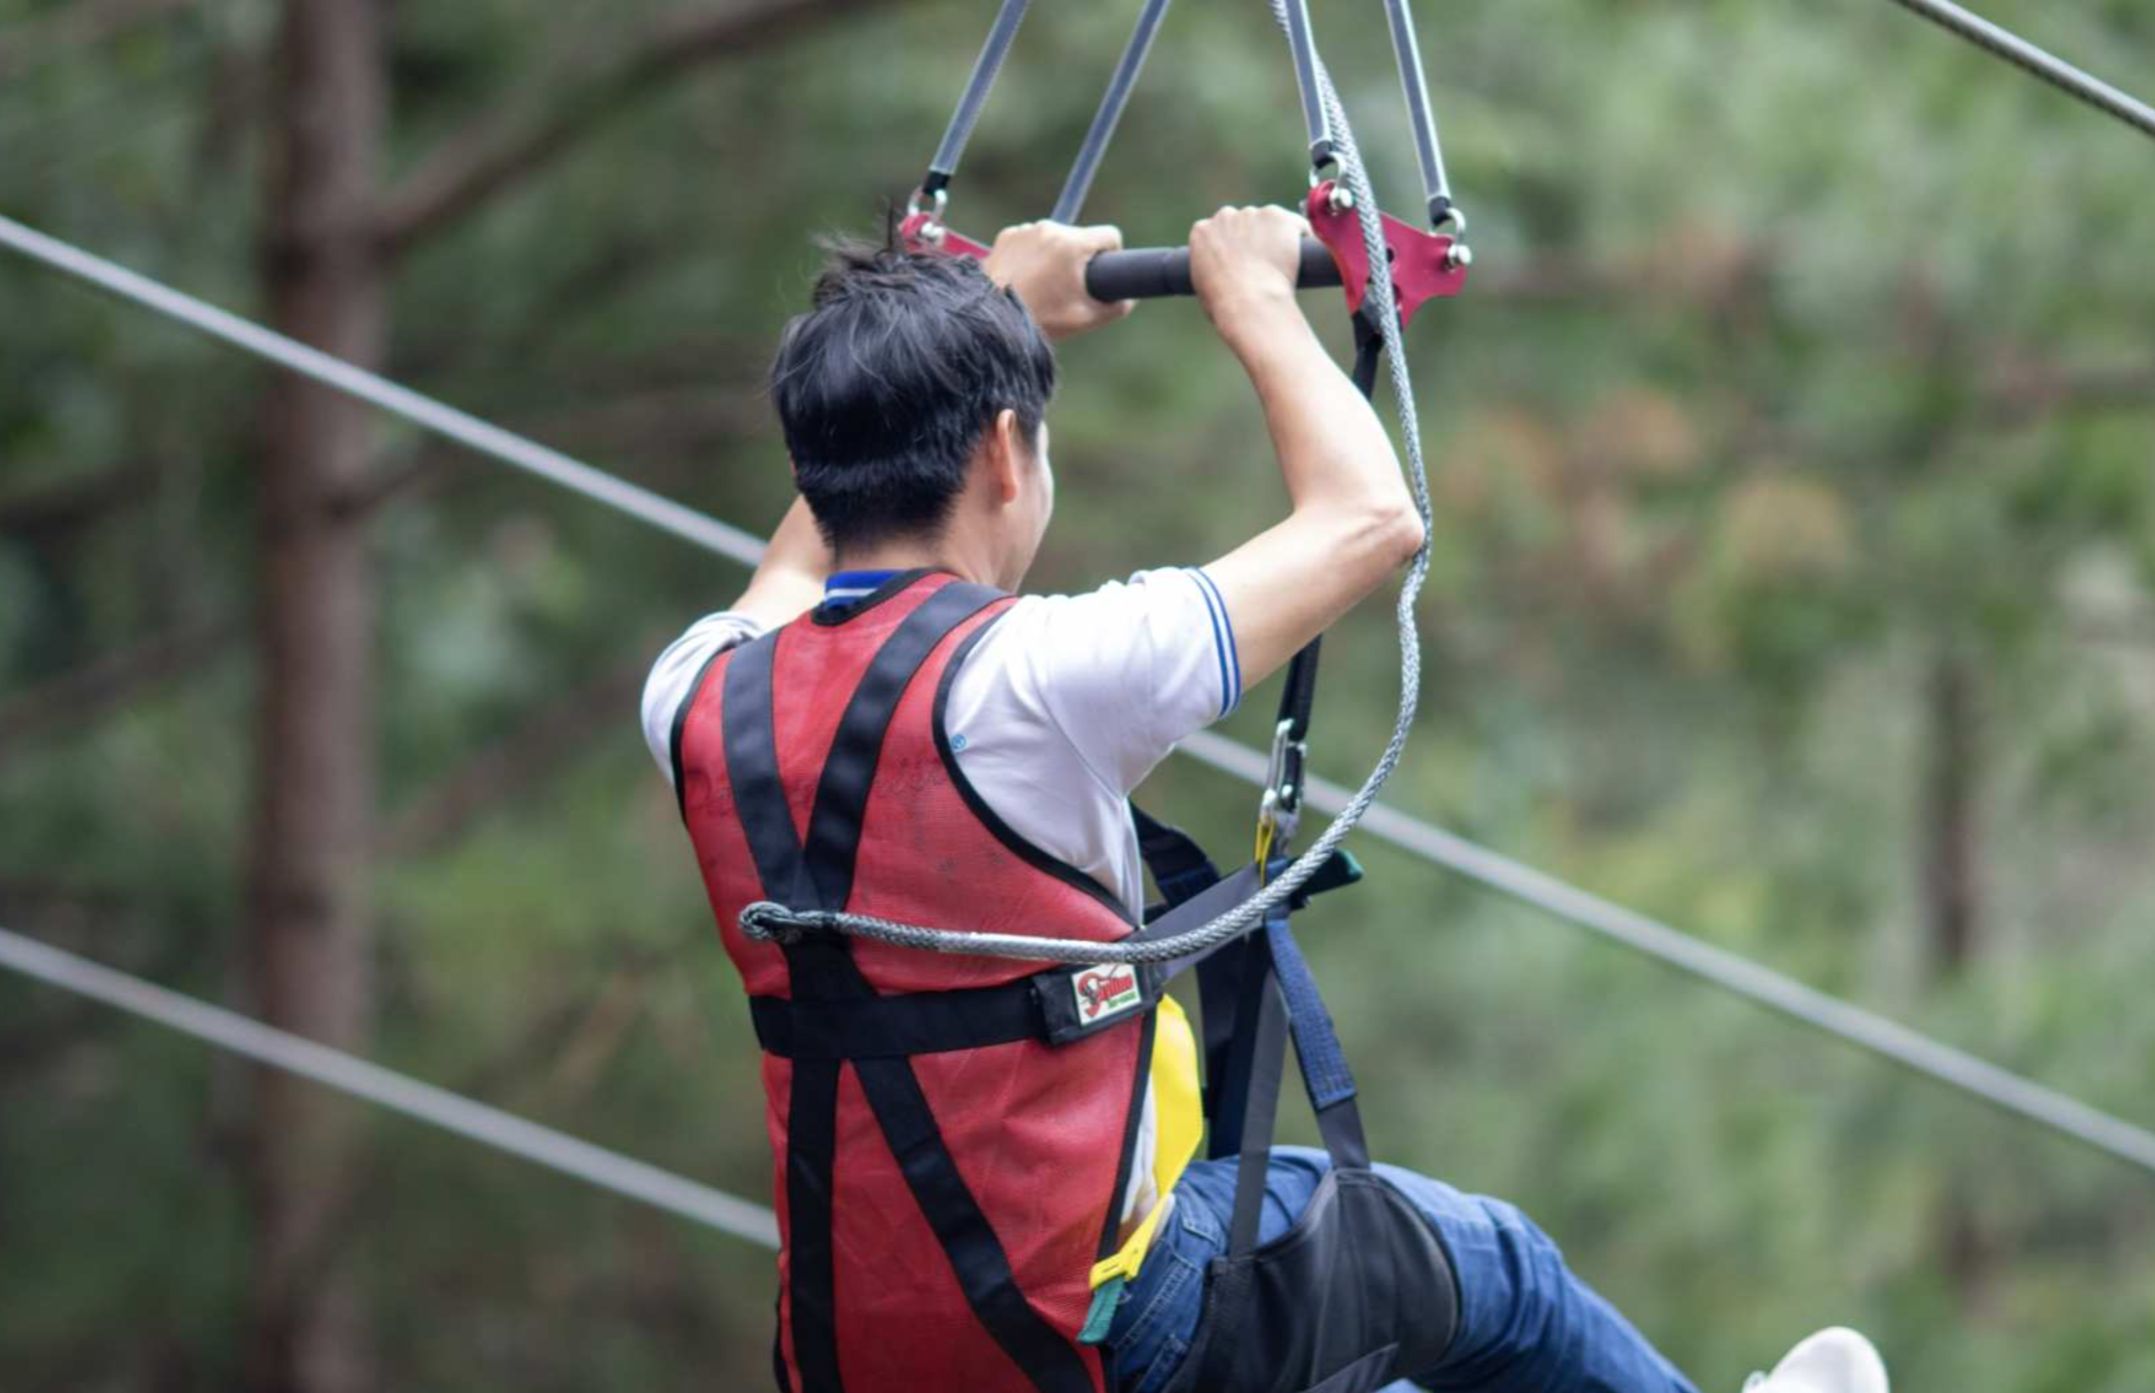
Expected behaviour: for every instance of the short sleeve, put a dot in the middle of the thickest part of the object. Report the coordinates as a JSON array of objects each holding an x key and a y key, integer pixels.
[
  {"x": 673, "y": 677},
  {"x": 1127, "y": 671}
]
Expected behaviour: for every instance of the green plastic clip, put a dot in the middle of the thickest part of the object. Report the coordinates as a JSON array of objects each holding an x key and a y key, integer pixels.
[{"x": 1105, "y": 1298}]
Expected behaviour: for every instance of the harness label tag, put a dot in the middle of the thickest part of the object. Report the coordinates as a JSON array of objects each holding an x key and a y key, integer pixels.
[{"x": 1105, "y": 992}]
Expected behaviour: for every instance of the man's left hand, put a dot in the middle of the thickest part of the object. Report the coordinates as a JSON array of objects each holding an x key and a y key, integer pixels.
[{"x": 1044, "y": 262}]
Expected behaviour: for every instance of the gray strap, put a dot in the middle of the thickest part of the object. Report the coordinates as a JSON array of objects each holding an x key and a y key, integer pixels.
[
  {"x": 1071, "y": 201},
  {"x": 1436, "y": 185},
  {"x": 986, "y": 68},
  {"x": 1316, "y": 116}
]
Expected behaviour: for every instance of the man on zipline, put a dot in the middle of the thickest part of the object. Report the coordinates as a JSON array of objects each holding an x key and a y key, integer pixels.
[{"x": 877, "y": 725}]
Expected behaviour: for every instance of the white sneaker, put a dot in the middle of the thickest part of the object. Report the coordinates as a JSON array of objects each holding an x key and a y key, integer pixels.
[{"x": 1836, "y": 1360}]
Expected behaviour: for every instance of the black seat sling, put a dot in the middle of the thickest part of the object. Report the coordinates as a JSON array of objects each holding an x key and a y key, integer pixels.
[{"x": 1359, "y": 1291}]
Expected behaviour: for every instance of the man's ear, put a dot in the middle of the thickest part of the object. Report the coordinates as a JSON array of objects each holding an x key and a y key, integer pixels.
[{"x": 1006, "y": 456}]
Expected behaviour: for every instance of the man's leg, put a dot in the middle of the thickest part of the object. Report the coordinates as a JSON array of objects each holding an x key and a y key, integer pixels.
[{"x": 1527, "y": 1324}]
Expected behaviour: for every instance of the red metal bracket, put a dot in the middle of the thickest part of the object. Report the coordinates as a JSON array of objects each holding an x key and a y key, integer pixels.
[
  {"x": 1424, "y": 267},
  {"x": 922, "y": 233}
]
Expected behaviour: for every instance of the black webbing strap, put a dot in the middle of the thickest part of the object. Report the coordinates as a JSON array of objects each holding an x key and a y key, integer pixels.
[
  {"x": 1219, "y": 996},
  {"x": 1050, "y": 1363},
  {"x": 1368, "y": 352},
  {"x": 986, "y": 68},
  {"x": 812, "y": 1104},
  {"x": 1298, "y": 694},
  {"x": 1178, "y": 865},
  {"x": 1256, "y": 1068},
  {"x": 1050, "y": 1006},
  {"x": 1276, "y": 997},
  {"x": 1326, "y": 1077},
  {"x": 752, "y": 771},
  {"x": 1069, "y": 999},
  {"x": 1071, "y": 201},
  {"x": 893, "y": 1027},
  {"x": 834, "y": 825}
]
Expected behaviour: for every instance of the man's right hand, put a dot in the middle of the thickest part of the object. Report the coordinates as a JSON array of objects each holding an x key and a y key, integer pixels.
[
  {"x": 1245, "y": 261},
  {"x": 1044, "y": 263}
]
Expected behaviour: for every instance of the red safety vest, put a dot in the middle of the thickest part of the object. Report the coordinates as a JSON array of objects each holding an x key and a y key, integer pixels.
[{"x": 946, "y": 1177}]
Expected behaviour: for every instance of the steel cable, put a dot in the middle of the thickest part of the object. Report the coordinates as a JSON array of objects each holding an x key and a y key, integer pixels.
[
  {"x": 483, "y": 436},
  {"x": 228, "y": 1030},
  {"x": 2040, "y": 63}
]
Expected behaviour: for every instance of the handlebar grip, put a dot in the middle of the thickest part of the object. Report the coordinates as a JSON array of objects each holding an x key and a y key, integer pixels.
[{"x": 1151, "y": 272}]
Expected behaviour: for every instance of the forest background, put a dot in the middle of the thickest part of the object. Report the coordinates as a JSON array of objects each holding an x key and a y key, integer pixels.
[{"x": 1794, "y": 582}]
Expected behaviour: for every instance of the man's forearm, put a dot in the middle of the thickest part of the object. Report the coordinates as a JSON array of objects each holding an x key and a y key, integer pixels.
[
  {"x": 789, "y": 580},
  {"x": 1333, "y": 451},
  {"x": 1353, "y": 521}
]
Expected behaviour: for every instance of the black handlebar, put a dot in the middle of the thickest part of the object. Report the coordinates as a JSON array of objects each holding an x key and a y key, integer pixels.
[{"x": 1150, "y": 272}]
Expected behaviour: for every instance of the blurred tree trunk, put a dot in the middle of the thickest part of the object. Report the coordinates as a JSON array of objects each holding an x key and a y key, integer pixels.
[
  {"x": 1952, "y": 880},
  {"x": 1952, "y": 897},
  {"x": 330, "y": 238},
  {"x": 309, "y": 942}
]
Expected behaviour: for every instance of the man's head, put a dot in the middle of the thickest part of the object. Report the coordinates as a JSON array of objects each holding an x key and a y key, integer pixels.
[{"x": 912, "y": 395}]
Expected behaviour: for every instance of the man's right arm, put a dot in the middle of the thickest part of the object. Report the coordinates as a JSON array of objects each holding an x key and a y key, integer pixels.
[
  {"x": 1353, "y": 523},
  {"x": 787, "y": 584}
]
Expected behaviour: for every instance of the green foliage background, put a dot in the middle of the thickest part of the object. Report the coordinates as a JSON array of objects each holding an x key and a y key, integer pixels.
[{"x": 1806, "y": 347}]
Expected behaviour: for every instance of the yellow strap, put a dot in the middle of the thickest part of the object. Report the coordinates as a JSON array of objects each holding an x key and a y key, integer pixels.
[{"x": 1179, "y": 1117}]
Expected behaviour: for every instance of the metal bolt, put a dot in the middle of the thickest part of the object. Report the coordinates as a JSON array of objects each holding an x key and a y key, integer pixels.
[
  {"x": 1342, "y": 198},
  {"x": 1459, "y": 257}
]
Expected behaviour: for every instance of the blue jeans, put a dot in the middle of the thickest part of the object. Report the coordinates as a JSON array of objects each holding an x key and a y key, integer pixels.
[{"x": 1526, "y": 1324}]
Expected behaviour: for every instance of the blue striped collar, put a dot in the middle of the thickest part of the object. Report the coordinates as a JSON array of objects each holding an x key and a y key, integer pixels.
[{"x": 847, "y": 587}]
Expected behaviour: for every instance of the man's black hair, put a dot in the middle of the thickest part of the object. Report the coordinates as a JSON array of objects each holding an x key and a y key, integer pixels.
[{"x": 886, "y": 385}]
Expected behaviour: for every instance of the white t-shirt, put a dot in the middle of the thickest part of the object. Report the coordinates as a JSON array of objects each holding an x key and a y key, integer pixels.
[
  {"x": 1058, "y": 714},
  {"x": 1056, "y": 717}
]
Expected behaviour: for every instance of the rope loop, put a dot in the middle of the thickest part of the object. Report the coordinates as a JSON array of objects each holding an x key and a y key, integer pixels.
[{"x": 766, "y": 921}]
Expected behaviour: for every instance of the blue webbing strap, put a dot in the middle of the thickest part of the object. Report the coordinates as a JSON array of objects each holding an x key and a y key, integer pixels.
[
  {"x": 1316, "y": 1043},
  {"x": 1325, "y": 1072}
]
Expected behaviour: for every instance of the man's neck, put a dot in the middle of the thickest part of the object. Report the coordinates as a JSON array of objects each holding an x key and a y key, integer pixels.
[{"x": 914, "y": 556}]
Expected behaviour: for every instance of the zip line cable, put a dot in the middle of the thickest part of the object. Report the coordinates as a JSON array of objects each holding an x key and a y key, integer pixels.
[
  {"x": 228, "y": 1030},
  {"x": 1718, "y": 967},
  {"x": 425, "y": 412},
  {"x": 2040, "y": 63}
]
